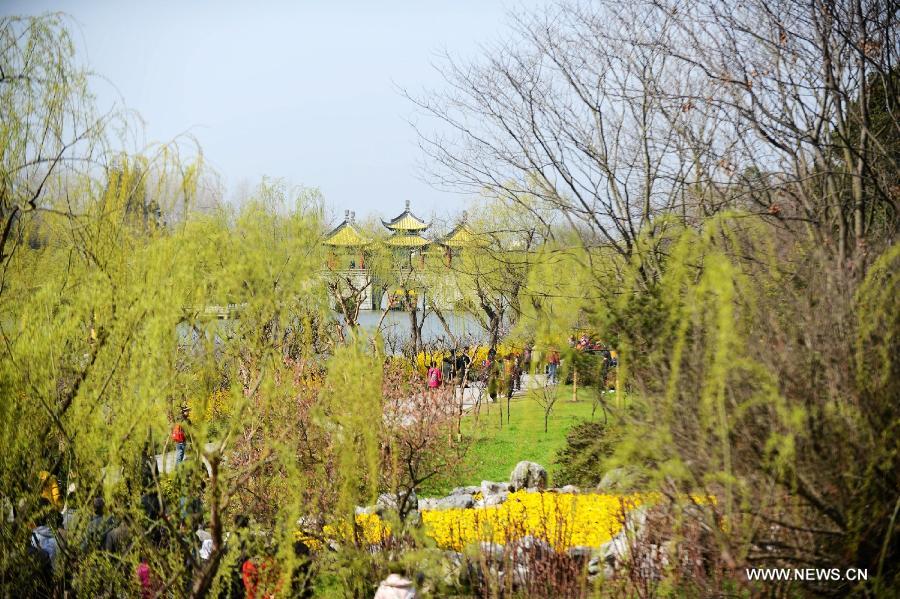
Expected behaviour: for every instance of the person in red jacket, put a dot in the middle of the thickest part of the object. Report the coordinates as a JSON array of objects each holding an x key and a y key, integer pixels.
[
  {"x": 260, "y": 578},
  {"x": 178, "y": 437}
]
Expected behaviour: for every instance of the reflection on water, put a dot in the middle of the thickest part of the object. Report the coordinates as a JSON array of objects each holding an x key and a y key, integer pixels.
[{"x": 395, "y": 324}]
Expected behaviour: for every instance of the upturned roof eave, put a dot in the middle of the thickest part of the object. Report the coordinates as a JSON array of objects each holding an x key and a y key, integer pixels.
[
  {"x": 359, "y": 240},
  {"x": 420, "y": 225}
]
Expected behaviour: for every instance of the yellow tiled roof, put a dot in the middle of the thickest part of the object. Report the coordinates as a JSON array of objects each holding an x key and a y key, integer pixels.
[
  {"x": 407, "y": 221},
  {"x": 345, "y": 235},
  {"x": 406, "y": 240},
  {"x": 462, "y": 236}
]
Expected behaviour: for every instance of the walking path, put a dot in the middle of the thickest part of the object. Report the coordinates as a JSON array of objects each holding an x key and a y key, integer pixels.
[
  {"x": 475, "y": 390},
  {"x": 165, "y": 462}
]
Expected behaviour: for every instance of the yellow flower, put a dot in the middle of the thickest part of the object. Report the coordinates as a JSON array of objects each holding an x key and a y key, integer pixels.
[{"x": 563, "y": 519}]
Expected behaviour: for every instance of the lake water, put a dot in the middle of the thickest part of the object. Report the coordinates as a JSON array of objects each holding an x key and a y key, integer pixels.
[
  {"x": 395, "y": 326},
  {"x": 396, "y": 323}
]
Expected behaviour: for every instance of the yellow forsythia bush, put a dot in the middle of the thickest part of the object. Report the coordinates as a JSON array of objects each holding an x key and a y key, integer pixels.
[
  {"x": 564, "y": 520},
  {"x": 216, "y": 407},
  {"x": 477, "y": 354},
  {"x": 370, "y": 527}
]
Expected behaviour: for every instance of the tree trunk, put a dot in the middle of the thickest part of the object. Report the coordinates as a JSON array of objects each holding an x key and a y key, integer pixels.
[
  {"x": 413, "y": 309},
  {"x": 204, "y": 580},
  {"x": 574, "y": 384}
]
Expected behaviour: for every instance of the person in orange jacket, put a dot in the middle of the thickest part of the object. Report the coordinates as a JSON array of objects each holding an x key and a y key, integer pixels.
[{"x": 178, "y": 437}]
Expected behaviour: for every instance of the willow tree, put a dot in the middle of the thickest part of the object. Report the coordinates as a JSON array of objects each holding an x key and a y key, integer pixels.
[
  {"x": 50, "y": 127},
  {"x": 109, "y": 330}
]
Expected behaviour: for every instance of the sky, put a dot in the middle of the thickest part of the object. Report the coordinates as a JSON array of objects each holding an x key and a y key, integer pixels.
[{"x": 307, "y": 91}]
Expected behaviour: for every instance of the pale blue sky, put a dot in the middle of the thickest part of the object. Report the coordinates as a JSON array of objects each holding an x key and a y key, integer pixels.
[{"x": 306, "y": 91}]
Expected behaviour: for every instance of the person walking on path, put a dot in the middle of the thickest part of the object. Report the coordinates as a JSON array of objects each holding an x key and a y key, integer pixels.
[
  {"x": 462, "y": 366},
  {"x": 553, "y": 363},
  {"x": 447, "y": 368},
  {"x": 98, "y": 527},
  {"x": 44, "y": 536},
  {"x": 434, "y": 376},
  {"x": 511, "y": 378},
  {"x": 178, "y": 437},
  {"x": 526, "y": 359}
]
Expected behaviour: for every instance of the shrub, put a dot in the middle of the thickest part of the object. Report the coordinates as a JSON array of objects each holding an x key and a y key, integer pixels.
[{"x": 580, "y": 461}]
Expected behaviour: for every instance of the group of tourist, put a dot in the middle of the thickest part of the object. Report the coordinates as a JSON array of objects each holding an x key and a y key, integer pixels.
[
  {"x": 502, "y": 374},
  {"x": 454, "y": 368}
]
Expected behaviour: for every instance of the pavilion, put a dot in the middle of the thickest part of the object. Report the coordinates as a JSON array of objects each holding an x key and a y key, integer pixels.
[
  {"x": 460, "y": 237},
  {"x": 406, "y": 231},
  {"x": 346, "y": 240},
  {"x": 407, "y": 239}
]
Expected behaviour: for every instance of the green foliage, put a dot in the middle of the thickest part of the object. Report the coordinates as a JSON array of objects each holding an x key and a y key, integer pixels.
[
  {"x": 352, "y": 401},
  {"x": 582, "y": 460},
  {"x": 107, "y": 333}
]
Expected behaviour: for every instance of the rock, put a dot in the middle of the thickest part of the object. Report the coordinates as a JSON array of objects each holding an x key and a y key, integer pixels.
[
  {"x": 581, "y": 553},
  {"x": 491, "y": 488},
  {"x": 395, "y": 587},
  {"x": 451, "y": 502},
  {"x": 492, "y": 551},
  {"x": 495, "y": 499},
  {"x": 528, "y": 475},
  {"x": 453, "y": 570},
  {"x": 413, "y": 519},
  {"x": 653, "y": 562},
  {"x": 492, "y": 493},
  {"x": 569, "y": 489},
  {"x": 368, "y": 509},
  {"x": 469, "y": 490},
  {"x": 518, "y": 573},
  {"x": 617, "y": 479},
  {"x": 430, "y": 503},
  {"x": 533, "y": 548},
  {"x": 390, "y": 501},
  {"x": 594, "y": 566},
  {"x": 612, "y": 553},
  {"x": 454, "y": 557},
  {"x": 471, "y": 574},
  {"x": 313, "y": 523}
]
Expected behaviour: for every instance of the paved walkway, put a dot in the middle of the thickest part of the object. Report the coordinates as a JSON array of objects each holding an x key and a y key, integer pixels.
[
  {"x": 475, "y": 390},
  {"x": 165, "y": 462}
]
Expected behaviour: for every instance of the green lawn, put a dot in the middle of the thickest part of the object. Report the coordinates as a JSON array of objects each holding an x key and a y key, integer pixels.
[{"x": 494, "y": 451}]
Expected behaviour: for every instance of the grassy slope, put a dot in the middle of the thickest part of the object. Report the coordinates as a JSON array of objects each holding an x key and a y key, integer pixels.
[{"x": 494, "y": 451}]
